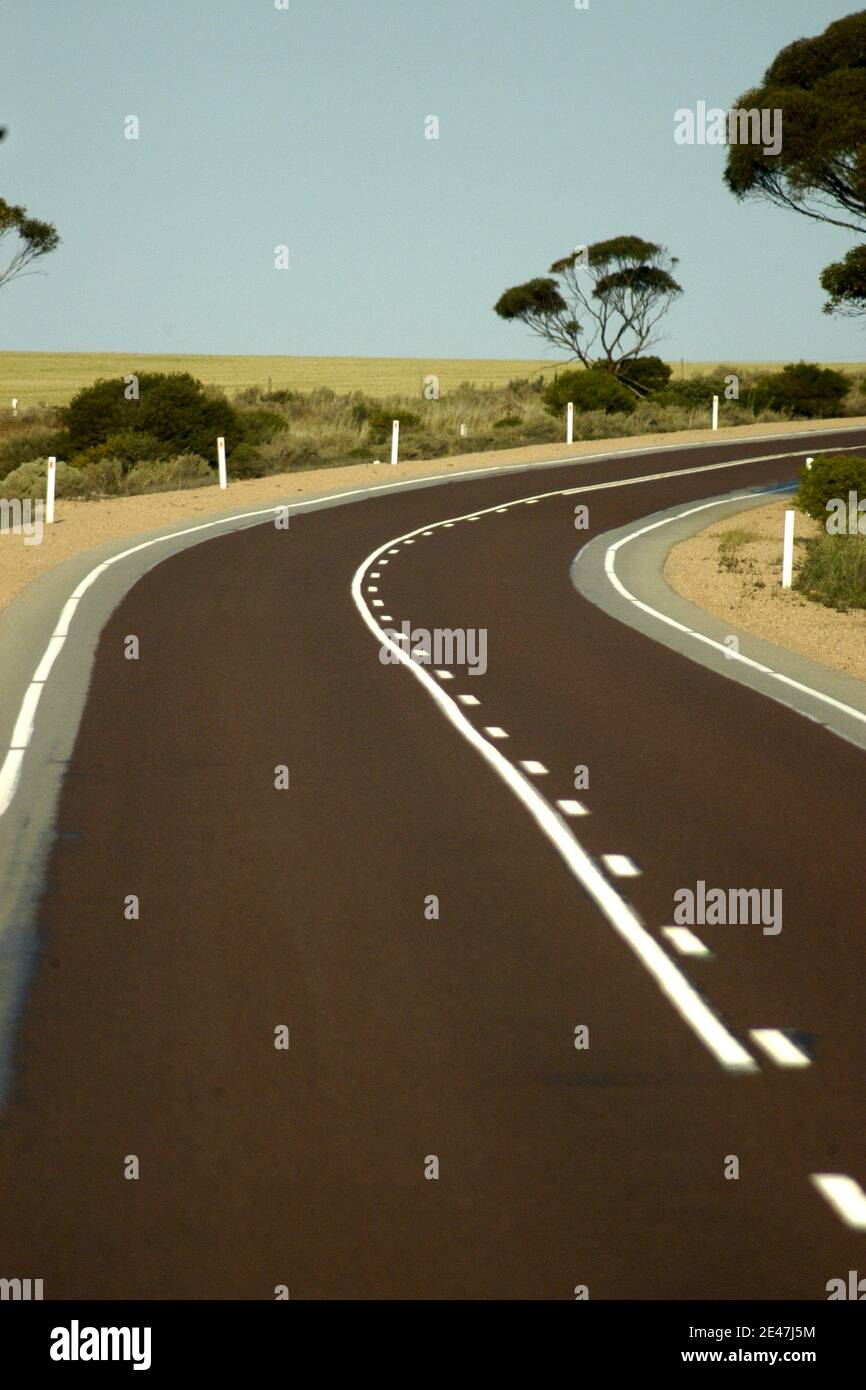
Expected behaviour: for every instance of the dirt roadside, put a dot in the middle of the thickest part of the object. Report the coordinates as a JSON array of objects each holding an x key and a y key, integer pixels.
[
  {"x": 733, "y": 569},
  {"x": 81, "y": 526}
]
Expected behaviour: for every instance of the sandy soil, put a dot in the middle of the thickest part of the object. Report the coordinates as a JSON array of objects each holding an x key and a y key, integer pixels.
[
  {"x": 742, "y": 584},
  {"x": 81, "y": 526}
]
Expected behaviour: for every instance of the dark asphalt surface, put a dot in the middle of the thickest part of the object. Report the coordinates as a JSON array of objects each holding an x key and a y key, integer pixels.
[{"x": 411, "y": 1037}]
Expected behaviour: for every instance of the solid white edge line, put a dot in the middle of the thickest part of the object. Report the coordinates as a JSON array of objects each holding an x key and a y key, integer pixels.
[
  {"x": 671, "y": 981},
  {"x": 728, "y": 653},
  {"x": 10, "y": 769}
]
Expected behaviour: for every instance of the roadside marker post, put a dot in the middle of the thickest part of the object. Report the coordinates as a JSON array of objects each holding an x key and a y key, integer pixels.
[
  {"x": 51, "y": 483},
  {"x": 569, "y": 423},
  {"x": 221, "y": 459},
  {"x": 395, "y": 440},
  {"x": 715, "y": 412},
  {"x": 14, "y": 406},
  {"x": 788, "y": 551}
]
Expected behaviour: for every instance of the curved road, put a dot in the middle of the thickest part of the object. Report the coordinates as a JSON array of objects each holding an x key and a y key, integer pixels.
[{"x": 413, "y": 1036}]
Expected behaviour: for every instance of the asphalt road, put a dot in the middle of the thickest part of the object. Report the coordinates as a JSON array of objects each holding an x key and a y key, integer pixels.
[{"x": 410, "y": 1037}]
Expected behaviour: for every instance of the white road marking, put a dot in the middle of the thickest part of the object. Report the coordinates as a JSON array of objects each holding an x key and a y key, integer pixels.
[
  {"x": 468, "y": 700},
  {"x": 685, "y": 941},
  {"x": 730, "y": 655},
  {"x": 427, "y": 533},
  {"x": 10, "y": 770},
  {"x": 845, "y": 1196},
  {"x": 375, "y": 573},
  {"x": 378, "y": 603},
  {"x": 572, "y": 808},
  {"x": 779, "y": 1048},
  {"x": 537, "y": 769},
  {"x": 494, "y": 731},
  {"x": 445, "y": 675},
  {"x": 679, "y": 991},
  {"x": 621, "y": 865},
  {"x": 372, "y": 588},
  {"x": 408, "y": 542},
  {"x": 386, "y": 617}
]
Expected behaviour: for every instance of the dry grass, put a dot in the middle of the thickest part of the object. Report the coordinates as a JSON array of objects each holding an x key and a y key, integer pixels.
[{"x": 53, "y": 378}]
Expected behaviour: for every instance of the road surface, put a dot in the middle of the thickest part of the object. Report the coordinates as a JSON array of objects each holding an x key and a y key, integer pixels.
[{"x": 413, "y": 1037}]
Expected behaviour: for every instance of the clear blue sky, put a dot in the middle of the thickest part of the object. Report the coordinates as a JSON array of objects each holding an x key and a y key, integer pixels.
[{"x": 306, "y": 127}]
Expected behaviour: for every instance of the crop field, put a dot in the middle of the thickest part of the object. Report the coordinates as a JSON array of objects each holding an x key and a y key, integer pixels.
[{"x": 52, "y": 378}]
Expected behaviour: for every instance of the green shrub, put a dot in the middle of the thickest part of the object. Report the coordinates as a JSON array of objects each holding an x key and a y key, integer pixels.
[
  {"x": 595, "y": 389},
  {"x": 245, "y": 462},
  {"x": 21, "y": 446},
  {"x": 806, "y": 390},
  {"x": 508, "y": 422},
  {"x": 694, "y": 392},
  {"x": 105, "y": 477},
  {"x": 29, "y": 480},
  {"x": 831, "y": 475},
  {"x": 834, "y": 572},
  {"x": 280, "y": 397},
  {"x": 645, "y": 374},
  {"x": 173, "y": 407},
  {"x": 160, "y": 475},
  {"x": 131, "y": 447},
  {"x": 258, "y": 426},
  {"x": 380, "y": 422},
  {"x": 287, "y": 451}
]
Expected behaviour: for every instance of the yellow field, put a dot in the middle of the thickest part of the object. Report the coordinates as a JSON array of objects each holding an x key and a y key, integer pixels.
[{"x": 52, "y": 378}]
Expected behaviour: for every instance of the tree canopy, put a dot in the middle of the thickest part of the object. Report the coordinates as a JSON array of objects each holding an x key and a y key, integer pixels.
[
  {"x": 819, "y": 84},
  {"x": 601, "y": 304},
  {"x": 32, "y": 239}
]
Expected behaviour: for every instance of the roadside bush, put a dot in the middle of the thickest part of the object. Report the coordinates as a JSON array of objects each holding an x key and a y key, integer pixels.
[
  {"x": 595, "y": 389},
  {"x": 834, "y": 572},
  {"x": 379, "y": 423},
  {"x": 29, "y": 480},
  {"x": 160, "y": 475},
  {"x": 508, "y": 422},
  {"x": 287, "y": 452},
  {"x": 257, "y": 426},
  {"x": 130, "y": 447},
  {"x": 645, "y": 374},
  {"x": 245, "y": 462},
  {"x": 24, "y": 445},
  {"x": 806, "y": 390},
  {"x": 104, "y": 477},
  {"x": 173, "y": 407},
  {"x": 696, "y": 391},
  {"x": 831, "y": 475}
]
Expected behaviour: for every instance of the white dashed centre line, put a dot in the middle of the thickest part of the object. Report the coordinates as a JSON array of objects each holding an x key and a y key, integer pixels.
[
  {"x": 620, "y": 865},
  {"x": 530, "y": 765},
  {"x": 685, "y": 941},
  {"x": 572, "y": 808},
  {"x": 445, "y": 675},
  {"x": 779, "y": 1047},
  {"x": 494, "y": 731},
  {"x": 845, "y": 1196},
  {"x": 468, "y": 700}
]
